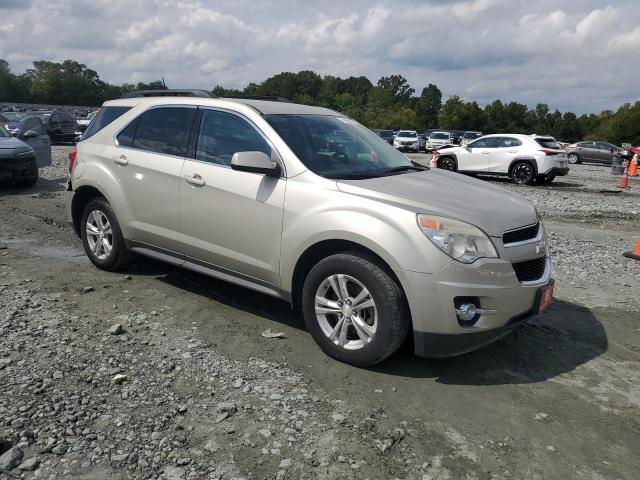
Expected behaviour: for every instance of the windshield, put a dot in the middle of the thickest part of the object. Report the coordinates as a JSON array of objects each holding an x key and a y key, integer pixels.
[
  {"x": 407, "y": 134},
  {"x": 440, "y": 136},
  {"x": 11, "y": 116},
  {"x": 472, "y": 135},
  {"x": 338, "y": 147},
  {"x": 3, "y": 132},
  {"x": 386, "y": 133}
]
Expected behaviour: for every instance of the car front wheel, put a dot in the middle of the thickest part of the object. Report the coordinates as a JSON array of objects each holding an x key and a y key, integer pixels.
[
  {"x": 447, "y": 163},
  {"x": 354, "y": 309},
  {"x": 522, "y": 172},
  {"x": 101, "y": 236}
]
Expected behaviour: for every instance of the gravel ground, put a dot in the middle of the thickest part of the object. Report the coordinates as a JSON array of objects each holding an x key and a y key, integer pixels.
[{"x": 160, "y": 373}]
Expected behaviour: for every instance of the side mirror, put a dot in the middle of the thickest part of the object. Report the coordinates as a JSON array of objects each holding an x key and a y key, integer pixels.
[
  {"x": 29, "y": 134},
  {"x": 255, "y": 162}
]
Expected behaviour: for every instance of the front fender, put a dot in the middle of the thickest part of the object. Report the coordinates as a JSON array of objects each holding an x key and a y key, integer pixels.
[{"x": 322, "y": 214}]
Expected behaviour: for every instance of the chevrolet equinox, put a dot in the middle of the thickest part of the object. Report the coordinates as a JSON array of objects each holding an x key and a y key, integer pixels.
[{"x": 307, "y": 205}]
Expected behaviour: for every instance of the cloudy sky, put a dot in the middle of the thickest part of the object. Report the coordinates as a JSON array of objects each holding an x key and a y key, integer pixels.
[{"x": 580, "y": 55}]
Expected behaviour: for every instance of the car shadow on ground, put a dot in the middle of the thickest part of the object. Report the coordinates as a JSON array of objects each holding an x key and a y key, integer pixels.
[
  {"x": 561, "y": 340},
  {"x": 43, "y": 186}
]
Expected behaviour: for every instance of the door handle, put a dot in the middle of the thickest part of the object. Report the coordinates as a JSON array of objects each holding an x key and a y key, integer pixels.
[
  {"x": 486, "y": 153},
  {"x": 195, "y": 180},
  {"x": 513, "y": 151},
  {"x": 121, "y": 160}
]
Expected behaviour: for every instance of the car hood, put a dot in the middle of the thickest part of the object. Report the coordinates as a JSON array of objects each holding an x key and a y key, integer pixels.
[
  {"x": 12, "y": 143},
  {"x": 439, "y": 192}
]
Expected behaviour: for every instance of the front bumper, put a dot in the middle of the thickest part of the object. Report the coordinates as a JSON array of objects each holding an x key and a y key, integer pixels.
[
  {"x": 492, "y": 282},
  {"x": 411, "y": 146},
  {"x": 438, "y": 345},
  {"x": 15, "y": 169}
]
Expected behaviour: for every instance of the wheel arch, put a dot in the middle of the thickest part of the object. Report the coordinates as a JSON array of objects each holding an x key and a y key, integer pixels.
[
  {"x": 323, "y": 249},
  {"x": 81, "y": 197},
  {"x": 529, "y": 160}
]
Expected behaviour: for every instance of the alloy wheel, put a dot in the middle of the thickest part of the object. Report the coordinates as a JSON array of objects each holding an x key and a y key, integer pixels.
[
  {"x": 522, "y": 173},
  {"x": 573, "y": 158},
  {"x": 99, "y": 234},
  {"x": 346, "y": 312}
]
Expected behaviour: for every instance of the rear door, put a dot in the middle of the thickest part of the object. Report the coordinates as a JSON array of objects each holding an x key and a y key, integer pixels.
[
  {"x": 604, "y": 152},
  {"x": 503, "y": 150},
  {"x": 41, "y": 143},
  {"x": 53, "y": 127},
  {"x": 231, "y": 219},
  {"x": 146, "y": 162},
  {"x": 586, "y": 151}
]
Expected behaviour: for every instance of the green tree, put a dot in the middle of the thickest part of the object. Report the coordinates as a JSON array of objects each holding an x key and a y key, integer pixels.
[
  {"x": 398, "y": 86},
  {"x": 428, "y": 106}
]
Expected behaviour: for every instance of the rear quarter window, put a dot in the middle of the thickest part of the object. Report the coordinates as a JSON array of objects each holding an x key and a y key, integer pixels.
[
  {"x": 548, "y": 143},
  {"x": 104, "y": 117}
]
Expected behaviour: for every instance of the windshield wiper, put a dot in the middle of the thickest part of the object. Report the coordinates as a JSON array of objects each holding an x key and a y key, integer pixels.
[{"x": 404, "y": 168}]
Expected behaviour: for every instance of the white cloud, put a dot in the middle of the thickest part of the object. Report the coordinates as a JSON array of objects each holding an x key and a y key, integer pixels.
[{"x": 526, "y": 50}]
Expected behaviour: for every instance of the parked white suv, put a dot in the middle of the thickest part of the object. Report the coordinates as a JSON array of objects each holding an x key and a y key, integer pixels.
[
  {"x": 522, "y": 157},
  {"x": 307, "y": 205},
  {"x": 438, "y": 139},
  {"x": 407, "y": 140}
]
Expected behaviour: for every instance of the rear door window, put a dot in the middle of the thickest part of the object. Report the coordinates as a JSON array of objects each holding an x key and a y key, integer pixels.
[
  {"x": 164, "y": 130},
  {"x": 104, "y": 117}
]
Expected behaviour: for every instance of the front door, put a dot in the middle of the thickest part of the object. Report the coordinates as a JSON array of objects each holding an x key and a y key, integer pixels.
[
  {"x": 230, "y": 219},
  {"x": 41, "y": 143},
  {"x": 477, "y": 155}
]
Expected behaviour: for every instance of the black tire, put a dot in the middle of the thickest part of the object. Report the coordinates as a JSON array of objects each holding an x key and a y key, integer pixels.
[
  {"x": 117, "y": 258},
  {"x": 523, "y": 173},
  {"x": 27, "y": 182},
  {"x": 574, "y": 159},
  {"x": 447, "y": 163},
  {"x": 393, "y": 313}
]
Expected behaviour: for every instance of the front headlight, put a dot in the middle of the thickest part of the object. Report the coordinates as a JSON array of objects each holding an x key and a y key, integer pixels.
[{"x": 461, "y": 241}]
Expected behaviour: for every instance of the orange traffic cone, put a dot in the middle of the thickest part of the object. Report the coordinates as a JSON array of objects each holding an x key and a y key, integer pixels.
[
  {"x": 434, "y": 160},
  {"x": 624, "y": 180},
  {"x": 635, "y": 254},
  {"x": 633, "y": 168}
]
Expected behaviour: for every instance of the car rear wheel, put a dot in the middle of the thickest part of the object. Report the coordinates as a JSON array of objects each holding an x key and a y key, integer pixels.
[
  {"x": 573, "y": 158},
  {"x": 447, "y": 163},
  {"x": 522, "y": 172},
  {"x": 354, "y": 309},
  {"x": 101, "y": 236}
]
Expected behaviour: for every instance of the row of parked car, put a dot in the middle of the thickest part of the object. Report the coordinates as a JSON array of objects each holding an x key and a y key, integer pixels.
[
  {"x": 524, "y": 158},
  {"x": 429, "y": 140}
]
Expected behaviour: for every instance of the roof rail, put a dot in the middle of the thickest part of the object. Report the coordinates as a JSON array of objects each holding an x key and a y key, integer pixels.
[
  {"x": 169, "y": 93},
  {"x": 268, "y": 98}
]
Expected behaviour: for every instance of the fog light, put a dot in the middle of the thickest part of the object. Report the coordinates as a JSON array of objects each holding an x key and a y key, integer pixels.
[{"x": 469, "y": 310}]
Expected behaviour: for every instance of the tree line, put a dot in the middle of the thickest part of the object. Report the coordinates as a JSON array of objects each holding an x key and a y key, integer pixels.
[{"x": 391, "y": 103}]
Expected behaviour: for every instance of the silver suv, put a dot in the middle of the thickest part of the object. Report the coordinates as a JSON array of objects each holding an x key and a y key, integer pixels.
[{"x": 307, "y": 205}]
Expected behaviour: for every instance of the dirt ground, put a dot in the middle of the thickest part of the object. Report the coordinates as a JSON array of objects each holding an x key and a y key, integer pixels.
[{"x": 207, "y": 396}]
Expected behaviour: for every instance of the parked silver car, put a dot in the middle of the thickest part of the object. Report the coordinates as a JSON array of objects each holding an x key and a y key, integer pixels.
[{"x": 368, "y": 245}]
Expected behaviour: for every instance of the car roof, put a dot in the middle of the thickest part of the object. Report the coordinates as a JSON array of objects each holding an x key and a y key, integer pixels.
[{"x": 265, "y": 107}]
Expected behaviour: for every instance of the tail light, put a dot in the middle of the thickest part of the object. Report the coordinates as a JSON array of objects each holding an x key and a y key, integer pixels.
[
  {"x": 550, "y": 152},
  {"x": 72, "y": 158}
]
